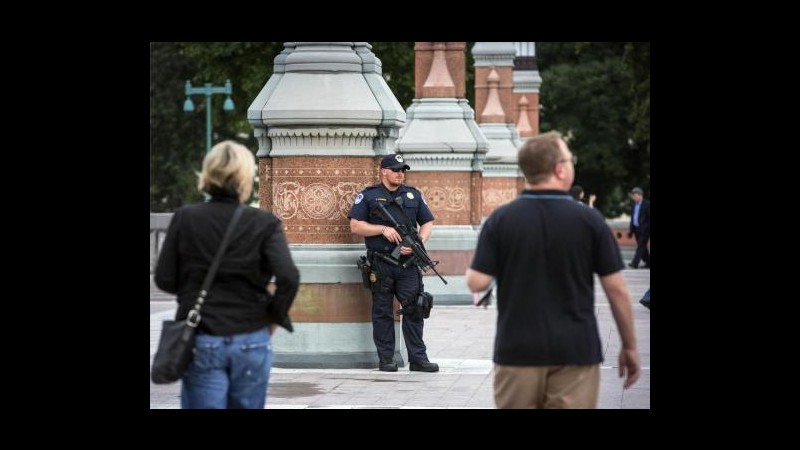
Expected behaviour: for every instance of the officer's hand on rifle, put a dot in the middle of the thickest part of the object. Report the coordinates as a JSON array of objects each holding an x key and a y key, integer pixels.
[{"x": 391, "y": 235}]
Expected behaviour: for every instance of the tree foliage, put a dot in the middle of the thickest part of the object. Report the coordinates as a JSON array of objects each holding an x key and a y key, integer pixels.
[
  {"x": 598, "y": 96},
  {"x": 178, "y": 139},
  {"x": 175, "y": 142},
  {"x": 397, "y": 60}
]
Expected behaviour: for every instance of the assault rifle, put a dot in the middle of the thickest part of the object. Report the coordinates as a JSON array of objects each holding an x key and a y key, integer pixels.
[{"x": 410, "y": 239}]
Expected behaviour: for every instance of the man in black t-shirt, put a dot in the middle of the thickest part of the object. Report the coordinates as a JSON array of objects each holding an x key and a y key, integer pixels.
[{"x": 543, "y": 249}]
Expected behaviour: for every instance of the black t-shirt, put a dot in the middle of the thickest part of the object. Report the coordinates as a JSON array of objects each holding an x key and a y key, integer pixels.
[{"x": 543, "y": 249}]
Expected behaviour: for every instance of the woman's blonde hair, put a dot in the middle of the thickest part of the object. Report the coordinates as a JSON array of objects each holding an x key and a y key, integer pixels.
[{"x": 228, "y": 169}]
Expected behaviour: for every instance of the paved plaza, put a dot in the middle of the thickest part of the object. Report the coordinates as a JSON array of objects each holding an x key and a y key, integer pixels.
[{"x": 459, "y": 338}]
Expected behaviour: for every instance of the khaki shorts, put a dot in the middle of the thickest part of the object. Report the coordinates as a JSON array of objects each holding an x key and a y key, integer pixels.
[{"x": 546, "y": 386}]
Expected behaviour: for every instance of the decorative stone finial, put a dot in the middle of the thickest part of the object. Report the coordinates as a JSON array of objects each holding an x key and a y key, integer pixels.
[
  {"x": 493, "y": 112},
  {"x": 524, "y": 124},
  {"x": 439, "y": 84}
]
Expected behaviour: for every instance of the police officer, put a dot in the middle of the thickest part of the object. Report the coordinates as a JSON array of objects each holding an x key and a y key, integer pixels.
[{"x": 393, "y": 279}]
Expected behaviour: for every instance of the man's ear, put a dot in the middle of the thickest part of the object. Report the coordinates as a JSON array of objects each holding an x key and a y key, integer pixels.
[{"x": 559, "y": 172}]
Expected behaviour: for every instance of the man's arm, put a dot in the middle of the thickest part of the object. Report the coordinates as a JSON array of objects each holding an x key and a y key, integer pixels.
[
  {"x": 620, "y": 301},
  {"x": 477, "y": 281},
  {"x": 425, "y": 231},
  {"x": 365, "y": 229}
]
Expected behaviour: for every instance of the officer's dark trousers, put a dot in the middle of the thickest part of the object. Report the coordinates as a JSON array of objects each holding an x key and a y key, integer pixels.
[{"x": 404, "y": 283}]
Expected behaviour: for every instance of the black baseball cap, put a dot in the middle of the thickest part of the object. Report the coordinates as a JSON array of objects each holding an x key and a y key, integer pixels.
[{"x": 394, "y": 161}]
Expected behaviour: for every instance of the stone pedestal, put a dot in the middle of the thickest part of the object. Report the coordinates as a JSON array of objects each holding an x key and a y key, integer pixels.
[
  {"x": 323, "y": 121},
  {"x": 445, "y": 149},
  {"x": 331, "y": 313},
  {"x": 494, "y": 63},
  {"x": 527, "y": 81}
]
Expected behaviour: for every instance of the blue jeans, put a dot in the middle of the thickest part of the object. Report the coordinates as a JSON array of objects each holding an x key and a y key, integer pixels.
[{"x": 228, "y": 372}]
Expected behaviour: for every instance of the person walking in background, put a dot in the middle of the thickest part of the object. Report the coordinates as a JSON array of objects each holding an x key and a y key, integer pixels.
[
  {"x": 640, "y": 228},
  {"x": 577, "y": 193},
  {"x": 543, "y": 249},
  {"x": 233, "y": 348},
  {"x": 395, "y": 278}
]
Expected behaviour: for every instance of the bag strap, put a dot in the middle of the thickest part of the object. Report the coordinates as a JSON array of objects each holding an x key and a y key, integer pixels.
[{"x": 193, "y": 318}]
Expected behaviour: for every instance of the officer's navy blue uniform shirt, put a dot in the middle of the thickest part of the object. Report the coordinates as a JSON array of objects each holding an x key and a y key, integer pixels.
[{"x": 365, "y": 208}]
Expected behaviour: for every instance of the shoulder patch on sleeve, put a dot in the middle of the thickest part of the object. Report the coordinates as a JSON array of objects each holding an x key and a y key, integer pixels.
[
  {"x": 418, "y": 193},
  {"x": 359, "y": 197}
]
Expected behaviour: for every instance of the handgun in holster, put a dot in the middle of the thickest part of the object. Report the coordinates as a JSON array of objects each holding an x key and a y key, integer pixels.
[{"x": 365, "y": 267}]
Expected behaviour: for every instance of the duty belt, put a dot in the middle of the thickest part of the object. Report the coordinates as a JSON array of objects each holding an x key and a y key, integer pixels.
[{"x": 372, "y": 254}]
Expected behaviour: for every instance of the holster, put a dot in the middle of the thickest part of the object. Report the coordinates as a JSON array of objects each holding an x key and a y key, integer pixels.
[
  {"x": 380, "y": 282},
  {"x": 421, "y": 307},
  {"x": 365, "y": 267},
  {"x": 425, "y": 303}
]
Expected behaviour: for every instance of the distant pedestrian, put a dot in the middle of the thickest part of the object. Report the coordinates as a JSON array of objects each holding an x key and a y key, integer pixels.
[
  {"x": 233, "y": 348},
  {"x": 577, "y": 193},
  {"x": 543, "y": 250},
  {"x": 640, "y": 228}
]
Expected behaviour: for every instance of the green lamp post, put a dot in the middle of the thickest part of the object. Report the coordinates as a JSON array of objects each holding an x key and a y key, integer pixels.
[{"x": 208, "y": 90}]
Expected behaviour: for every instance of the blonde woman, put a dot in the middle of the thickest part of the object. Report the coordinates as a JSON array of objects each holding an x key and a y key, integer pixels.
[{"x": 233, "y": 349}]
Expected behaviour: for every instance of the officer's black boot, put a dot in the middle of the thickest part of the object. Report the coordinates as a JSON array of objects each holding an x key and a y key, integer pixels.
[
  {"x": 387, "y": 365},
  {"x": 425, "y": 366}
]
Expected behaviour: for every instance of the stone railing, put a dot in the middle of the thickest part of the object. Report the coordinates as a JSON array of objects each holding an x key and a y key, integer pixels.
[{"x": 158, "y": 230}]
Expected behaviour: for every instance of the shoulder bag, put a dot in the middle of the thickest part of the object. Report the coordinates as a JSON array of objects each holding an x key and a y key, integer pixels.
[{"x": 176, "y": 346}]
